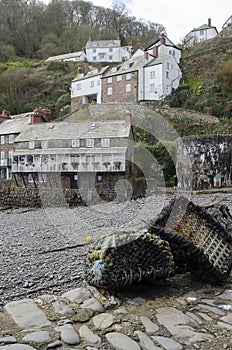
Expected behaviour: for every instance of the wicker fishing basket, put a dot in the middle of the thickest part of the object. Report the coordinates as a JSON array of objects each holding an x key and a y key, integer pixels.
[
  {"x": 117, "y": 260},
  {"x": 199, "y": 243}
]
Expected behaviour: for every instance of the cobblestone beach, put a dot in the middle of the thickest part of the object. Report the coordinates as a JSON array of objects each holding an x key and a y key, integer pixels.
[{"x": 46, "y": 303}]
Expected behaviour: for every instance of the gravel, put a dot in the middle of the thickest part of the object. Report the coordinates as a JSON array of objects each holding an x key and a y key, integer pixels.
[{"x": 43, "y": 250}]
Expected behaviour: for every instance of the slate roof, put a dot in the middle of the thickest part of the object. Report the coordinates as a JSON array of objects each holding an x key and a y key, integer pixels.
[
  {"x": 14, "y": 125},
  {"x": 93, "y": 73},
  {"x": 103, "y": 43},
  {"x": 65, "y": 56},
  {"x": 80, "y": 130},
  {"x": 131, "y": 65}
]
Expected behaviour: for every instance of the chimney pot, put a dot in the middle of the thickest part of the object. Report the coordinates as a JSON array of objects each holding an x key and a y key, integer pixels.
[
  {"x": 146, "y": 55},
  {"x": 209, "y": 22},
  {"x": 162, "y": 39},
  {"x": 155, "y": 51}
]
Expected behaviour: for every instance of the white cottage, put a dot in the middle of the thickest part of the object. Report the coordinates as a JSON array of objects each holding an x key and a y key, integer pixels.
[
  {"x": 97, "y": 149},
  {"x": 86, "y": 88},
  {"x": 202, "y": 33},
  {"x": 164, "y": 47},
  {"x": 106, "y": 51}
]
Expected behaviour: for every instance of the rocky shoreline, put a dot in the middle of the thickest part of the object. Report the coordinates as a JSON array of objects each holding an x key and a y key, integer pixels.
[{"x": 46, "y": 302}]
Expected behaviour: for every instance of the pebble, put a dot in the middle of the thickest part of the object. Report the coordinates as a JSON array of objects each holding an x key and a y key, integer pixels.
[{"x": 185, "y": 314}]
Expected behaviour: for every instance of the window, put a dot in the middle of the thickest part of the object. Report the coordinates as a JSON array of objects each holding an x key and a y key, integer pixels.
[
  {"x": 201, "y": 32},
  {"x": 94, "y": 50},
  {"x": 11, "y": 138},
  {"x": 109, "y": 91},
  {"x": 126, "y": 66},
  {"x": 109, "y": 80},
  {"x": 76, "y": 143},
  {"x": 92, "y": 83},
  {"x": 101, "y": 55},
  {"x": 152, "y": 87},
  {"x": 44, "y": 144},
  {"x": 114, "y": 69},
  {"x": 29, "y": 160},
  {"x": 89, "y": 142},
  {"x": 2, "y": 155},
  {"x": 110, "y": 49},
  {"x": 31, "y": 144},
  {"x": 78, "y": 86},
  {"x": 105, "y": 142},
  {"x": 2, "y": 140},
  {"x": 118, "y": 78},
  {"x": 110, "y": 57},
  {"x": 168, "y": 65},
  {"x": 128, "y": 88},
  {"x": 167, "y": 75},
  {"x": 128, "y": 76},
  {"x": 99, "y": 82},
  {"x": 10, "y": 156},
  {"x": 152, "y": 74},
  {"x": 94, "y": 58},
  {"x": 99, "y": 178}
]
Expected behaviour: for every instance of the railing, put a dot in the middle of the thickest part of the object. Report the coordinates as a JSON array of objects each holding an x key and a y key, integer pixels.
[{"x": 66, "y": 167}]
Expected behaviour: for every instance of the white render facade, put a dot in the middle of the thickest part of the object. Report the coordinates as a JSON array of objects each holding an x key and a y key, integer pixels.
[
  {"x": 160, "y": 77},
  {"x": 200, "y": 34},
  {"x": 86, "y": 88},
  {"x": 164, "y": 47},
  {"x": 106, "y": 51},
  {"x": 72, "y": 147}
]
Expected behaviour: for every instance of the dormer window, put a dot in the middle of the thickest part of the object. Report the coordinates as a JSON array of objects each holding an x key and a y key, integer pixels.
[
  {"x": 44, "y": 144},
  {"x": 90, "y": 143},
  {"x": 105, "y": 142},
  {"x": 11, "y": 138},
  {"x": 31, "y": 144},
  {"x": 76, "y": 143},
  {"x": 126, "y": 66},
  {"x": 114, "y": 69}
]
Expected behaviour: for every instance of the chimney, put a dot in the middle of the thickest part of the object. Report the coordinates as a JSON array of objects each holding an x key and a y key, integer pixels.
[
  {"x": 162, "y": 39},
  {"x": 5, "y": 115},
  {"x": 40, "y": 115},
  {"x": 209, "y": 22},
  {"x": 155, "y": 51},
  {"x": 128, "y": 118},
  {"x": 146, "y": 55}
]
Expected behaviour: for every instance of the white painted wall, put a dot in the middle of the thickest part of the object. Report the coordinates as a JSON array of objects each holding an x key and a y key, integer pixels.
[
  {"x": 159, "y": 84},
  {"x": 87, "y": 87}
]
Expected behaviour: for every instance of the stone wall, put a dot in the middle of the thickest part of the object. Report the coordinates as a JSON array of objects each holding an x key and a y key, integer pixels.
[
  {"x": 208, "y": 155},
  {"x": 114, "y": 187}
]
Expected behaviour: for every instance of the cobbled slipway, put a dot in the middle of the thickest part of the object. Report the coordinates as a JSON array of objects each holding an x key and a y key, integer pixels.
[{"x": 42, "y": 262}]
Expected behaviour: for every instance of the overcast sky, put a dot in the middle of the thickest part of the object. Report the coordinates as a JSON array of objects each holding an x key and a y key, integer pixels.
[{"x": 178, "y": 17}]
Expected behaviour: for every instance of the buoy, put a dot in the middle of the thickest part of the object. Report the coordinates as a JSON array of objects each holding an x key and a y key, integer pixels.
[{"x": 89, "y": 239}]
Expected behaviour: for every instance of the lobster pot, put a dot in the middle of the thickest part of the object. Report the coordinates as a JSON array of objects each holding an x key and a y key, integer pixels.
[
  {"x": 117, "y": 260},
  {"x": 199, "y": 243}
]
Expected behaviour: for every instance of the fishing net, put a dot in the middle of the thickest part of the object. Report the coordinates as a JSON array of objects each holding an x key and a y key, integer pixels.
[
  {"x": 117, "y": 260},
  {"x": 199, "y": 242}
]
